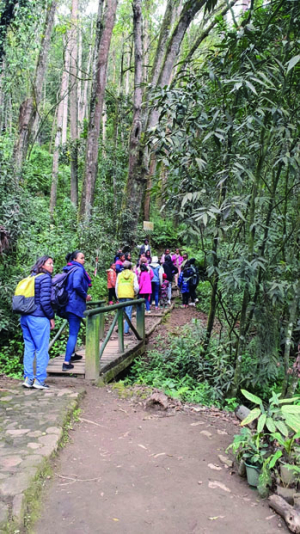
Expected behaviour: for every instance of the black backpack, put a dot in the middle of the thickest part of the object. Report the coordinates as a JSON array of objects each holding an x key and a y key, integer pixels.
[{"x": 59, "y": 294}]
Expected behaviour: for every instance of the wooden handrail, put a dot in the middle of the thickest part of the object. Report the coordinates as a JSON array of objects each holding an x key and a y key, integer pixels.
[
  {"x": 103, "y": 309},
  {"x": 95, "y": 332}
]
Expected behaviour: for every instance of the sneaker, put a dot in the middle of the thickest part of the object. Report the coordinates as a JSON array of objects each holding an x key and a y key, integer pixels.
[
  {"x": 39, "y": 385},
  {"x": 196, "y": 300},
  {"x": 127, "y": 334},
  {"x": 169, "y": 303},
  {"x": 67, "y": 367},
  {"x": 156, "y": 307},
  {"x": 192, "y": 304},
  {"x": 28, "y": 382},
  {"x": 75, "y": 357},
  {"x": 149, "y": 311},
  {"x": 110, "y": 302}
]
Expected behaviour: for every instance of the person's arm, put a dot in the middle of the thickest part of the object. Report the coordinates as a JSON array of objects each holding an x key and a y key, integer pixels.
[
  {"x": 151, "y": 273},
  {"x": 78, "y": 283},
  {"x": 45, "y": 295},
  {"x": 136, "y": 286}
]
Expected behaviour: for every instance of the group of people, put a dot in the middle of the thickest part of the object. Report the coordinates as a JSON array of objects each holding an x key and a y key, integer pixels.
[
  {"x": 150, "y": 278},
  {"x": 36, "y": 326}
]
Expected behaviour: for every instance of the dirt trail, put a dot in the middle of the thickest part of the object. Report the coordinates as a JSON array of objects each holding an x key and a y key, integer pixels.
[{"x": 131, "y": 471}]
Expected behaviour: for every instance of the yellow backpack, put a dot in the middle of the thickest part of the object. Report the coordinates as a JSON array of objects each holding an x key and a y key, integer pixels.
[{"x": 24, "y": 298}]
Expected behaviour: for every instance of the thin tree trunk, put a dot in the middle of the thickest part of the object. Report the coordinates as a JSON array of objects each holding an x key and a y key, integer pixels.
[
  {"x": 74, "y": 102},
  {"x": 58, "y": 135},
  {"x": 104, "y": 32},
  {"x": 66, "y": 93},
  {"x": 83, "y": 111},
  {"x": 29, "y": 108}
]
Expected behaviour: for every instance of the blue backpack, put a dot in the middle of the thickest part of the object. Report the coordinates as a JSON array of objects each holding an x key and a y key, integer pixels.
[{"x": 155, "y": 273}]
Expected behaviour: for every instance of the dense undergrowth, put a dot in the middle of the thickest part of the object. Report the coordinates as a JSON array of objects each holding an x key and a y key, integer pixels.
[{"x": 182, "y": 369}]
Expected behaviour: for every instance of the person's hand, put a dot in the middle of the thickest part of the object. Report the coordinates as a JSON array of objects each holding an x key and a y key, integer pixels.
[
  {"x": 52, "y": 324},
  {"x": 88, "y": 298}
]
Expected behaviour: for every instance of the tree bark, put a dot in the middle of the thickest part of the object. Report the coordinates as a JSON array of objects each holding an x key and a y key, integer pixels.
[
  {"x": 135, "y": 186},
  {"x": 161, "y": 75},
  {"x": 58, "y": 135},
  {"x": 83, "y": 108},
  {"x": 104, "y": 33},
  {"x": 74, "y": 102},
  {"x": 29, "y": 108}
]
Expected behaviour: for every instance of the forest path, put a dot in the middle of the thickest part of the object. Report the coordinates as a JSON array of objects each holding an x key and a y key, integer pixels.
[{"x": 129, "y": 470}]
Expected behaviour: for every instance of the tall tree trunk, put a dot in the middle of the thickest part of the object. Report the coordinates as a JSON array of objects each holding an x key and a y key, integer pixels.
[
  {"x": 137, "y": 178},
  {"x": 74, "y": 102},
  {"x": 83, "y": 108},
  {"x": 58, "y": 135},
  {"x": 66, "y": 91},
  {"x": 29, "y": 108},
  {"x": 104, "y": 33}
]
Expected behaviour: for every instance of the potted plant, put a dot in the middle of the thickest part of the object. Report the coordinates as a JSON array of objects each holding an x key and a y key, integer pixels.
[{"x": 249, "y": 448}]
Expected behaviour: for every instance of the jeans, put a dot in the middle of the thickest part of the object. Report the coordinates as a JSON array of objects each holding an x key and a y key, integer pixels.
[
  {"x": 36, "y": 334},
  {"x": 155, "y": 293},
  {"x": 146, "y": 296},
  {"x": 193, "y": 292},
  {"x": 170, "y": 291},
  {"x": 185, "y": 298},
  {"x": 127, "y": 310},
  {"x": 74, "y": 326}
]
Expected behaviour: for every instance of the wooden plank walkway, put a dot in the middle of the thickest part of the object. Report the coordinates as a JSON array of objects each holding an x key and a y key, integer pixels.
[{"x": 112, "y": 362}]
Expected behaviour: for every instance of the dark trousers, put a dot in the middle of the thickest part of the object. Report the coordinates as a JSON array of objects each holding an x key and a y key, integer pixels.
[
  {"x": 185, "y": 298},
  {"x": 111, "y": 294},
  {"x": 193, "y": 292}
]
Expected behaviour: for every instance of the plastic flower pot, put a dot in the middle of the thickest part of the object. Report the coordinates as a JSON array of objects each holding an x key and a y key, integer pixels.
[
  {"x": 287, "y": 475},
  {"x": 253, "y": 473}
]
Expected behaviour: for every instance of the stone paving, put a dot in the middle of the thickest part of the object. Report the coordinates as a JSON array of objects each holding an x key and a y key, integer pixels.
[{"x": 31, "y": 427}]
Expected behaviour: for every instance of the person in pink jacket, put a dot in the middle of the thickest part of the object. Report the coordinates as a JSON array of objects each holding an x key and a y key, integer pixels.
[
  {"x": 145, "y": 278},
  {"x": 177, "y": 260}
]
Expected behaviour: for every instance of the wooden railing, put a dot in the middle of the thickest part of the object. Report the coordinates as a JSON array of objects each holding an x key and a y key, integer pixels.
[
  {"x": 64, "y": 324},
  {"x": 95, "y": 322}
]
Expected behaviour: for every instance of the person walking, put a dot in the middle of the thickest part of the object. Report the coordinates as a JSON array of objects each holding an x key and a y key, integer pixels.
[
  {"x": 184, "y": 284},
  {"x": 119, "y": 263},
  {"x": 36, "y": 326},
  {"x": 156, "y": 280},
  {"x": 170, "y": 270},
  {"x": 126, "y": 288},
  {"x": 77, "y": 287},
  {"x": 111, "y": 283},
  {"x": 145, "y": 284},
  {"x": 148, "y": 256},
  {"x": 164, "y": 255},
  {"x": 144, "y": 247},
  {"x": 177, "y": 260},
  {"x": 194, "y": 281}
]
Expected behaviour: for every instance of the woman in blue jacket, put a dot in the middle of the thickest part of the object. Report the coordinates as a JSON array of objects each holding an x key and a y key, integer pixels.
[
  {"x": 77, "y": 287},
  {"x": 36, "y": 326}
]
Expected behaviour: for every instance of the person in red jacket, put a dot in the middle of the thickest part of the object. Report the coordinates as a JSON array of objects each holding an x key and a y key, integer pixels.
[
  {"x": 145, "y": 278},
  {"x": 111, "y": 283}
]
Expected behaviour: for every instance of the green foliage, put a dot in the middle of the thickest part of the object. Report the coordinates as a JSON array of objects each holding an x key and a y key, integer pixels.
[{"x": 182, "y": 370}]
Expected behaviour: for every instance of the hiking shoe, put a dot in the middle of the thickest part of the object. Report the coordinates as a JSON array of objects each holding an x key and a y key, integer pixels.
[
  {"x": 110, "y": 302},
  {"x": 75, "y": 357},
  {"x": 192, "y": 304},
  {"x": 127, "y": 334},
  {"x": 39, "y": 385},
  {"x": 149, "y": 311},
  {"x": 67, "y": 366},
  {"x": 196, "y": 300},
  {"x": 28, "y": 382}
]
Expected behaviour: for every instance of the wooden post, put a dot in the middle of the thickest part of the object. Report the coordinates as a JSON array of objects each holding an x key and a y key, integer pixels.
[
  {"x": 120, "y": 330},
  {"x": 140, "y": 319},
  {"x": 92, "y": 359},
  {"x": 102, "y": 321}
]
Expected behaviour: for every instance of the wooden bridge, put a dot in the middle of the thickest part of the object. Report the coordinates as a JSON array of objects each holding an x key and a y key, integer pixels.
[{"x": 107, "y": 352}]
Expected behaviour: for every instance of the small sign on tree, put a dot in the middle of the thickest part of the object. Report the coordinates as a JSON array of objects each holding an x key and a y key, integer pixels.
[{"x": 148, "y": 226}]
